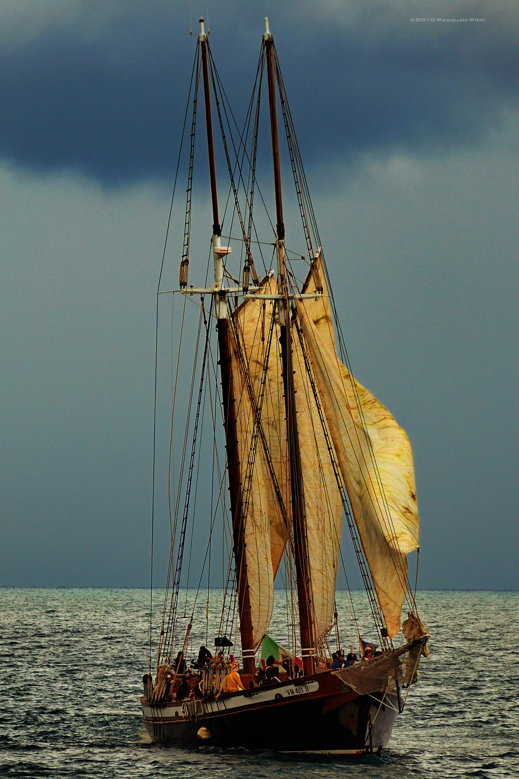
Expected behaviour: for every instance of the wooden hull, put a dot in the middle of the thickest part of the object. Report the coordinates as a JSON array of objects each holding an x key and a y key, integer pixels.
[{"x": 317, "y": 714}]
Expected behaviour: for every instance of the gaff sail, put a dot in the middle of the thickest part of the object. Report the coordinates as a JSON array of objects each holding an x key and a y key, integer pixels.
[
  {"x": 265, "y": 514},
  {"x": 256, "y": 365}
]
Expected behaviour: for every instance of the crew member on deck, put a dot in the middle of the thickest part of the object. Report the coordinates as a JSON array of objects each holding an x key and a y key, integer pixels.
[
  {"x": 204, "y": 657},
  {"x": 259, "y": 678},
  {"x": 217, "y": 662},
  {"x": 232, "y": 680},
  {"x": 271, "y": 671},
  {"x": 183, "y": 690},
  {"x": 179, "y": 664}
]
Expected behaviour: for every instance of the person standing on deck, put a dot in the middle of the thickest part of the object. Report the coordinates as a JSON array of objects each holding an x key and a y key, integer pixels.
[{"x": 233, "y": 681}]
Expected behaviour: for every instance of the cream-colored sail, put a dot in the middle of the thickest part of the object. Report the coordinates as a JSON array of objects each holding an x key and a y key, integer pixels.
[
  {"x": 374, "y": 456},
  {"x": 323, "y": 504},
  {"x": 266, "y": 526}
]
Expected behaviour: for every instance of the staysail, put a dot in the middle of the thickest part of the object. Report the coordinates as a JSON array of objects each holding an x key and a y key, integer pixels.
[{"x": 374, "y": 457}]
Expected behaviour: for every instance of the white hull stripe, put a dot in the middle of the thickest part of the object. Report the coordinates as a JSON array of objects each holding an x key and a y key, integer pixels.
[{"x": 214, "y": 706}]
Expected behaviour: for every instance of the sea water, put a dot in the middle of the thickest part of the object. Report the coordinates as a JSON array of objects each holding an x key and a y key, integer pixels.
[{"x": 72, "y": 662}]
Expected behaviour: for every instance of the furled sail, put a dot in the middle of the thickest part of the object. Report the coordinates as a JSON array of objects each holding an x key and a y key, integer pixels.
[
  {"x": 374, "y": 457},
  {"x": 256, "y": 366}
]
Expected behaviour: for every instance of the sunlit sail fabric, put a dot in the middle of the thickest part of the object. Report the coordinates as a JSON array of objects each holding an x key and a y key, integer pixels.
[
  {"x": 266, "y": 529},
  {"x": 374, "y": 456},
  {"x": 323, "y": 503}
]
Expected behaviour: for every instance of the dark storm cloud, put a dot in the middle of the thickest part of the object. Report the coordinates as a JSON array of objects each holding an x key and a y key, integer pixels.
[
  {"x": 105, "y": 108},
  {"x": 103, "y": 93}
]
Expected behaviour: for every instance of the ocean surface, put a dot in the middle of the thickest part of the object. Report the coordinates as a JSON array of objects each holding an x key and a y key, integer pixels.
[{"x": 72, "y": 662}]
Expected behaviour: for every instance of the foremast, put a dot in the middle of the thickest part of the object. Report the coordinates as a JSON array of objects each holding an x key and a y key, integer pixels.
[
  {"x": 228, "y": 386},
  {"x": 302, "y": 562}
]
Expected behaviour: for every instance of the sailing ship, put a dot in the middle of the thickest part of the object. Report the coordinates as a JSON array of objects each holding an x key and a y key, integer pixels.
[{"x": 307, "y": 451}]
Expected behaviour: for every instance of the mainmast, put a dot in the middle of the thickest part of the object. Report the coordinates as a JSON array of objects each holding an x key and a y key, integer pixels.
[
  {"x": 302, "y": 563},
  {"x": 228, "y": 386}
]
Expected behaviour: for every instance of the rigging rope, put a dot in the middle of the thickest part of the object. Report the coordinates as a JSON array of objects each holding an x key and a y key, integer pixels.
[
  {"x": 155, "y": 381},
  {"x": 184, "y": 263},
  {"x": 237, "y": 165},
  {"x": 180, "y": 550},
  {"x": 167, "y": 621}
]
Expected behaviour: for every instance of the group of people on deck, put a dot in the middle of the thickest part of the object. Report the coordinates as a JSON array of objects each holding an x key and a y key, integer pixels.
[
  {"x": 183, "y": 683},
  {"x": 272, "y": 671},
  {"x": 369, "y": 651},
  {"x": 339, "y": 661}
]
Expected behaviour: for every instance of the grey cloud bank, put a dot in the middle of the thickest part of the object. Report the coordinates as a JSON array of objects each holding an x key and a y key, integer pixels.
[{"x": 98, "y": 90}]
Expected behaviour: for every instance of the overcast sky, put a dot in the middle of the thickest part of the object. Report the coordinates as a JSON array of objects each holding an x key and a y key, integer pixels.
[{"x": 409, "y": 132}]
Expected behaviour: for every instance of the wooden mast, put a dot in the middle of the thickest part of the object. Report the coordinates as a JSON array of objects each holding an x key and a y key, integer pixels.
[
  {"x": 228, "y": 388},
  {"x": 302, "y": 563}
]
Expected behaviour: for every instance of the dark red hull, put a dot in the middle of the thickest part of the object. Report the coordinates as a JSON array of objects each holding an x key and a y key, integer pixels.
[{"x": 317, "y": 714}]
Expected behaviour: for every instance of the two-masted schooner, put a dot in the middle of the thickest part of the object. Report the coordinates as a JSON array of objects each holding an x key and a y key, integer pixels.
[{"x": 307, "y": 450}]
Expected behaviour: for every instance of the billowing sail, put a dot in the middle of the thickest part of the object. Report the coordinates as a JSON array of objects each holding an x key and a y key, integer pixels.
[
  {"x": 374, "y": 456},
  {"x": 256, "y": 366}
]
